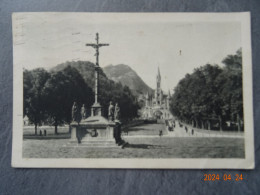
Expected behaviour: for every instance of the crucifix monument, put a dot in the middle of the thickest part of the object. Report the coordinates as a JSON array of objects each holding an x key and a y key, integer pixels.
[
  {"x": 96, "y": 108},
  {"x": 96, "y": 130}
]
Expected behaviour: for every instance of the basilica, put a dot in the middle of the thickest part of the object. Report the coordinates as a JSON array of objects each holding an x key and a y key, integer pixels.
[{"x": 157, "y": 104}]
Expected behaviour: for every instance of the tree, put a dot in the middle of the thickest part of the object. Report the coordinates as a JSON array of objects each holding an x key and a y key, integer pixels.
[
  {"x": 232, "y": 88},
  {"x": 211, "y": 93},
  {"x": 195, "y": 96},
  {"x": 234, "y": 61},
  {"x": 48, "y": 97},
  {"x": 61, "y": 90},
  {"x": 34, "y": 105}
]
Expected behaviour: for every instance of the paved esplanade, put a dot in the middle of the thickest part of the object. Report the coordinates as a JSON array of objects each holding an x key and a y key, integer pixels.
[
  {"x": 181, "y": 132},
  {"x": 143, "y": 130},
  {"x": 152, "y": 130}
]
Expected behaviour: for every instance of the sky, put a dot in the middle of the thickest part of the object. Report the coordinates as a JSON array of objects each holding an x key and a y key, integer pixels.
[{"x": 144, "y": 43}]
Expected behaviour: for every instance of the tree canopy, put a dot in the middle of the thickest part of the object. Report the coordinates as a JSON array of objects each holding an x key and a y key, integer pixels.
[
  {"x": 34, "y": 106},
  {"x": 49, "y": 96},
  {"x": 211, "y": 93},
  {"x": 61, "y": 90}
]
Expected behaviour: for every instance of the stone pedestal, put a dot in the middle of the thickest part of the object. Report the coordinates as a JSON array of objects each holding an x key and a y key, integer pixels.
[
  {"x": 74, "y": 128},
  {"x": 95, "y": 131},
  {"x": 96, "y": 110}
]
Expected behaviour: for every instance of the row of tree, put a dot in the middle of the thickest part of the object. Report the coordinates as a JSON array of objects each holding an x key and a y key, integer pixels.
[
  {"x": 211, "y": 95},
  {"x": 49, "y": 96}
]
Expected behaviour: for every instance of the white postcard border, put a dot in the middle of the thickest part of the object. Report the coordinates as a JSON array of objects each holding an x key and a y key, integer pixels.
[{"x": 184, "y": 163}]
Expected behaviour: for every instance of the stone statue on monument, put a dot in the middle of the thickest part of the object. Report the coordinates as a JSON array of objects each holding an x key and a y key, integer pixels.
[
  {"x": 117, "y": 113},
  {"x": 117, "y": 130},
  {"x": 83, "y": 112},
  {"x": 111, "y": 111},
  {"x": 74, "y": 112}
]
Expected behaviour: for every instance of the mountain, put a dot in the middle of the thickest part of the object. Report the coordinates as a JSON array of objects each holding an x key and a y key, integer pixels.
[
  {"x": 85, "y": 68},
  {"x": 109, "y": 90},
  {"x": 127, "y": 76}
]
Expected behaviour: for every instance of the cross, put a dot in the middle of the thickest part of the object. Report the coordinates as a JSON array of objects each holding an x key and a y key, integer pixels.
[{"x": 96, "y": 46}]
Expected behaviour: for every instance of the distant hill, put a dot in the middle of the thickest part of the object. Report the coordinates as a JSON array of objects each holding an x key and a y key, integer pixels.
[
  {"x": 85, "y": 68},
  {"x": 109, "y": 90},
  {"x": 127, "y": 76}
]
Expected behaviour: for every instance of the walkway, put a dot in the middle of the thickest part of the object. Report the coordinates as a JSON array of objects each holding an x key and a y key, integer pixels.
[{"x": 181, "y": 132}]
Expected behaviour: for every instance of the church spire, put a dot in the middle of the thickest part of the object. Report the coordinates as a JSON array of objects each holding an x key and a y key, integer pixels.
[
  {"x": 158, "y": 79},
  {"x": 158, "y": 74},
  {"x": 158, "y": 91}
]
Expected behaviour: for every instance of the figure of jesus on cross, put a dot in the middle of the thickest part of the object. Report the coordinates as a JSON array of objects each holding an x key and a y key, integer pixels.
[
  {"x": 97, "y": 45},
  {"x": 96, "y": 108}
]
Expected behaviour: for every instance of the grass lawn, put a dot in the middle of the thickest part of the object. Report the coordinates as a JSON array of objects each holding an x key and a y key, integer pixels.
[
  {"x": 29, "y": 130},
  {"x": 142, "y": 147}
]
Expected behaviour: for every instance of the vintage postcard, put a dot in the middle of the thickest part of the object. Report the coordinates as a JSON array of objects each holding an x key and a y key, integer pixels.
[{"x": 132, "y": 90}]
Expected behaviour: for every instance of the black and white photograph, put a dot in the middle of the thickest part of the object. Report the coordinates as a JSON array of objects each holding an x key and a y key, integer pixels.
[{"x": 132, "y": 90}]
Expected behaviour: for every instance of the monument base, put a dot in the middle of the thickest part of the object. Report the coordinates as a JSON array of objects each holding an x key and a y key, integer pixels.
[
  {"x": 95, "y": 131},
  {"x": 94, "y": 144}
]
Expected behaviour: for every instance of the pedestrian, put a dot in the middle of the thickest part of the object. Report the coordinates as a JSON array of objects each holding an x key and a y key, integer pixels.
[{"x": 160, "y": 133}]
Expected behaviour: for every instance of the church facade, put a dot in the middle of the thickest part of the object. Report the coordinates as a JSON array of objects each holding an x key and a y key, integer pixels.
[{"x": 157, "y": 104}]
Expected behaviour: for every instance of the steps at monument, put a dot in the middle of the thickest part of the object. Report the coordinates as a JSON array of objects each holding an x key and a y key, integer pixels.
[
  {"x": 101, "y": 144},
  {"x": 94, "y": 144}
]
